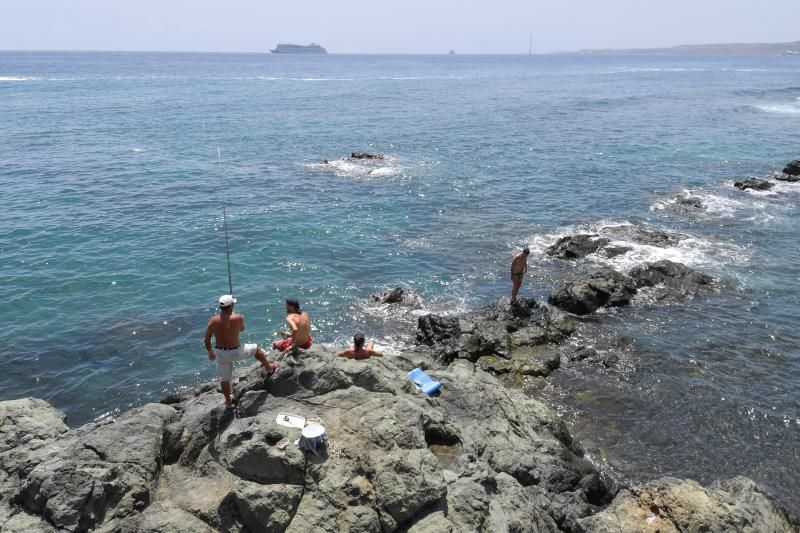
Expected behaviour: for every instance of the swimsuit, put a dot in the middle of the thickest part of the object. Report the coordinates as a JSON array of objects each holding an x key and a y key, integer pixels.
[
  {"x": 226, "y": 357},
  {"x": 283, "y": 345},
  {"x": 520, "y": 274}
]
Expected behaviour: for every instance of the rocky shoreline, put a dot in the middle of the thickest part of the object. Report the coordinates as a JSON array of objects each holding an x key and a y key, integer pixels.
[{"x": 480, "y": 456}]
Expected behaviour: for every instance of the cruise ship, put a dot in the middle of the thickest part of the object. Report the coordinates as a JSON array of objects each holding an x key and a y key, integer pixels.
[{"x": 312, "y": 48}]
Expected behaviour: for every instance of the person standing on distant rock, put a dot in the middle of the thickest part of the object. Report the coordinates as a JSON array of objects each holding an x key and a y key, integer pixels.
[
  {"x": 357, "y": 350},
  {"x": 519, "y": 266},
  {"x": 300, "y": 324},
  {"x": 225, "y": 329}
]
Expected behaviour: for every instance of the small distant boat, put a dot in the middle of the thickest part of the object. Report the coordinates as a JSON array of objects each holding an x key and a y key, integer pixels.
[
  {"x": 452, "y": 52},
  {"x": 312, "y": 48}
]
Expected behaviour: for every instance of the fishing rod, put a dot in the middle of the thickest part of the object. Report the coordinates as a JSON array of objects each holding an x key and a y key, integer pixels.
[{"x": 224, "y": 219}]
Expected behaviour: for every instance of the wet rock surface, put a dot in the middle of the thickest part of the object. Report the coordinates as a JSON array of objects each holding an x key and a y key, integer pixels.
[
  {"x": 576, "y": 246},
  {"x": 675, "y": 279},
  {"x": 587, "y": 294},
  {"x": 673, "y": 505},
  {"x": 792, "y": 168},
  {"x": 753, "y": 183},
  {"x": 366, "y": 155}
]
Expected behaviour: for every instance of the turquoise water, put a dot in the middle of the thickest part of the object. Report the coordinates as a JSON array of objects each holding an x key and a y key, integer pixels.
[{"x": 112, "y": 249}]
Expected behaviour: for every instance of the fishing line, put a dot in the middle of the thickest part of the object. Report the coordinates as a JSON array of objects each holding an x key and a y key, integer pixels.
[{"x": 224, "y": 219}]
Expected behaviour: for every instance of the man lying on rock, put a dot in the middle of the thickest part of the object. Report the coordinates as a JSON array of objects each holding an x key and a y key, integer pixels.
[
  {"x": 357, "y": 350},
  {"x": 225, "y": 329}
]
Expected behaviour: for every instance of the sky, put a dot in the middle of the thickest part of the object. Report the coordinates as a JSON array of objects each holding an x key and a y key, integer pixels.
[{"x": 407, "y": 26}]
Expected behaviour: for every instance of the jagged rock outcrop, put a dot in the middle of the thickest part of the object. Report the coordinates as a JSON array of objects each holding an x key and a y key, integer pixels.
[
  {"x": 398, "y": 295},
  {"x": 587, "y": 294},
  {"x": 792, "y": 168},
  {"x": 480, "y": 457},
  {"x": 673, "y": 505},
  {"x": 753, "y": 183},
  {"x": 675, "y": 279},
  {"x": 640, "y": 235},
  {"x": 576, "y": 246},
  {"x": 366, "y": 155}
]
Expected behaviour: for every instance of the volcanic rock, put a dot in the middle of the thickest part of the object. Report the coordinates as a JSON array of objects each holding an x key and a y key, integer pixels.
[
  {"x": 366, "y": 155},
  {"x": 675, "y": 276},
  {"x": 576, "y": 246},
  {"x": 793, "y": 168},
  {"x": 603, "y": 288},
  {"x": 753, "y": 183},
  {"x": 672, "y": 505}
]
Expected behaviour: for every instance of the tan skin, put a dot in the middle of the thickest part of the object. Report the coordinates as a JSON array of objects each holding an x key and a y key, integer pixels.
[
  {"x": 361, "y": 352},
  {"x": 300, "y": 324},
  {"x": 225, "y": 328},
  {"x": 519, "y": 267}
]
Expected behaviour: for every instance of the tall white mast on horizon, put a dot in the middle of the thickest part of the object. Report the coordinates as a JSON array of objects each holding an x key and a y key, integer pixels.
[{"x": 530, "y": 45}]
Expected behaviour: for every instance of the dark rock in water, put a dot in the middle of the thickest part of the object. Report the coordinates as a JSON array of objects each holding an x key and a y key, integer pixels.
[
  {"x": 576, "y": 246},
  {"x": 788, "y": 177},
  {"x": 793, "y": 168},
  {"x": 614, "y": 251},
  {"x": 640, "y": 235},
  {"x": 676, "y": 276},
  {"x": 537, "y": 362},
  {"x": 753, "y": 183},
  {"x": 604, "y": 288},
  {"x": 366, "y": 155},
  {"x": 691, "y": 202},
  {"x": 583, "y": 352},
  {"x": 394, "y": 296},
  {"x": 610, "y": 360},
  {"x": 671, "y": 505}
]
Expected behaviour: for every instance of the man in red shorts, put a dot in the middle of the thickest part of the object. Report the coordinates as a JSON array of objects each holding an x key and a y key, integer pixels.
[{"x": 301, "y": 328}]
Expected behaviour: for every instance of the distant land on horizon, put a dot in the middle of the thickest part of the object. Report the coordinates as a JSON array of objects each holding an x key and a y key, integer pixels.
[{"x": 762, "y": 49}]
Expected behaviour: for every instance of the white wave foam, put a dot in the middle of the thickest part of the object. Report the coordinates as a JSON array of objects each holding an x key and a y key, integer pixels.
[
  {"x": 717, "y": 204},
  {"x": 361, "y": 168},
  {"x": 792, "y": 108},
  {"x": 137, "y": 150},
  {"x": 692, "y": 251},
  {"x": 17, "y": 78}
]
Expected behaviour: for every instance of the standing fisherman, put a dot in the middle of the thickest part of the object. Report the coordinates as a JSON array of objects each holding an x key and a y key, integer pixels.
[
  {"x": 519, "y": 266},
  {"x": 225, "y": 329}
]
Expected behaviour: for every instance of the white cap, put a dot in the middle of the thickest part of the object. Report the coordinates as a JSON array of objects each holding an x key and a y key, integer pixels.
[{"x": 226, "y": 300}]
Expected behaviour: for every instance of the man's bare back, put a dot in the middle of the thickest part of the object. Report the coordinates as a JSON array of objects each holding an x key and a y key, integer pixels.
[
  {"x": 301, "y": 327},
  {"x": 225, "y": 330}
]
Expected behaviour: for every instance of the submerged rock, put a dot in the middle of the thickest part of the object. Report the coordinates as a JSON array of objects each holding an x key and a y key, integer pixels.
[
  {"x": 639, "y": 235},
  {"x": 792, "y": 168},
  {"x": 366, "y": 155},
  {"x": 690, "y": 203},
  {"x": 753, "y": 183},
  {"x": 788, "y": 177},
  {"x": 672, "y": 505},
  {"x": 576, "y": 246},
  {"x": 397, "y": 295},
  {"x": 603, "y": 288}
]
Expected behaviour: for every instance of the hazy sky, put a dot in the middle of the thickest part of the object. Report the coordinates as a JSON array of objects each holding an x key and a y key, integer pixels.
[{"x": 410, "y": 26}]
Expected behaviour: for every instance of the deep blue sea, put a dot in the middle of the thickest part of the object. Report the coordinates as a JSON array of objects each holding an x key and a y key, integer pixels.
[{"x": 112, "y": 250}]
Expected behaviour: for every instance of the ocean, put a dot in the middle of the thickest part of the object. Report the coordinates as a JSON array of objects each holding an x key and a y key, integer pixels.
[{"x": 112, "y": 248}]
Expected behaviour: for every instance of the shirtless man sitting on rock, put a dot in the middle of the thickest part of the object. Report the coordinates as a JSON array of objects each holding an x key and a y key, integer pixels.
[
  {"x": 357, "y": 350},
  {"x": 300, "y": 323},
  {"x": 225, "y": 329}
]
